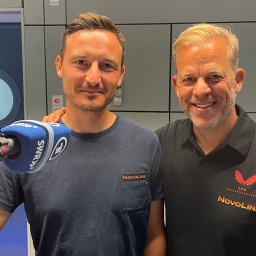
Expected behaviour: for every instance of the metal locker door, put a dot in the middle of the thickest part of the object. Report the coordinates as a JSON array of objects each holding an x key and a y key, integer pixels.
[
  {"x": 11, "y": 67},
  {"x": 10, "y": 99},
  {"x": 13, "y": 237}
]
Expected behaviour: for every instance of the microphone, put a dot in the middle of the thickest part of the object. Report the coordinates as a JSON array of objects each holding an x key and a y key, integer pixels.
[{"x": 27, "y": 145}]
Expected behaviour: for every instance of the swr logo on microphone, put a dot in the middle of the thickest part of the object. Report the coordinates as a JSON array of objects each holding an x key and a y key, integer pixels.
[
  {"x": 24, "y": 125},
  {"x": 38, "y": 154},
  {"x": 59, "y": 147}
]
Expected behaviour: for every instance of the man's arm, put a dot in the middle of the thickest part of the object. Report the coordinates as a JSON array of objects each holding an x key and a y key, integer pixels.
[
  {"x": 4, "y": 216},
  {"x": 55, "y": 116},
  {"x": 156, "y": 238}
]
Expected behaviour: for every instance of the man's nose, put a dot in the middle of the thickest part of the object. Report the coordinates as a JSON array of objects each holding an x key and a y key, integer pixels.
[
  {"x": 201, "y": 88},
  {"x": 93, "y": 75}
]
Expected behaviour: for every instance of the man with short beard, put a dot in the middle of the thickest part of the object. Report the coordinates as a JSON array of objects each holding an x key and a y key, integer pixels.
[
  {"x": 209, "y": 159},
  {"x": 104, "y": 194}
]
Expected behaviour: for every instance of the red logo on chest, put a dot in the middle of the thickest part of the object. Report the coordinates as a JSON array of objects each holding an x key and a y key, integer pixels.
[{"x": 240, "y": 179}]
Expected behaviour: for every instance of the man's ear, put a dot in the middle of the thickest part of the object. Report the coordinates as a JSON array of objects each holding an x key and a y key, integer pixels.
[
  {"x": 240, "y": 74},
  {"x": 58, "y": 66},
  {"x": 119, "y": 82},
  {"x": 174, "y": 83}
]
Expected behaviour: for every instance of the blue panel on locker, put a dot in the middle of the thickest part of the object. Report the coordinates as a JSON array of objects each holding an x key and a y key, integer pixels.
[
  {"x": 11, "y": 74},
  {"x": 13, "y": 237}
]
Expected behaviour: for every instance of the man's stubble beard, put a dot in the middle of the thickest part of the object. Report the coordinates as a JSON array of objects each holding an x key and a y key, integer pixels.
[
  {"x": 218, "y": 120},
  {"x": 93, "y": 107}
]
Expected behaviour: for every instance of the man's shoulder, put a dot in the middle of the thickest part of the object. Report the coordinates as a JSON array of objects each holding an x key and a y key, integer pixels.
[
  {"x": 173, "y": 127},
  {"x": 135, "y": 127}
]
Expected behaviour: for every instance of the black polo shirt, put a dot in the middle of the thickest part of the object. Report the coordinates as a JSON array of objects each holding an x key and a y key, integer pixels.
[{"x": 210, "y": 199}]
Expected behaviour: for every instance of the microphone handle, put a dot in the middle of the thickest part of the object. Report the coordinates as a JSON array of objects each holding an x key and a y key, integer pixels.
[{"x": 9, "y": 146}]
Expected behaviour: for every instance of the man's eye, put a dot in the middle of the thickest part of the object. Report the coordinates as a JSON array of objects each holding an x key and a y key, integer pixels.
[
  {"x": 188, "y": 80},
  {"x": 214, "y": 78},
  {"x": 81, "y": 62},
  {"x": 107, "y": 66}
]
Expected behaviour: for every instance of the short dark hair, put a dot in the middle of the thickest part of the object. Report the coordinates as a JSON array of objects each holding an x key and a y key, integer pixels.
[{"x": 91, "y": 21}]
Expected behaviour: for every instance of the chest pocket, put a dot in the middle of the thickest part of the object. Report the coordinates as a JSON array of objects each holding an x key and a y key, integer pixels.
[{"x": 136, "y": 191}]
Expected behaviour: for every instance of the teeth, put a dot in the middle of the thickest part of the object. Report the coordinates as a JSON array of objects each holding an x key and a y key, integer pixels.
[{"x": 204, "y": 106}]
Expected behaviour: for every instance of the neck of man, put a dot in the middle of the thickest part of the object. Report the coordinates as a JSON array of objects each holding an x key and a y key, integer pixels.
[{"x": 88, "y": 121}]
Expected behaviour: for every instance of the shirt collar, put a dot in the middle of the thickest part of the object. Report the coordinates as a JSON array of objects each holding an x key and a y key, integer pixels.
[{"x": 242, "y": 134}]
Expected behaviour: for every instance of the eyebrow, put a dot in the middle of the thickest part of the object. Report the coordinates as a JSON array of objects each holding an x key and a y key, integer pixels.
[
  {"x": 77, "y": 56},
  {"x": 186, "y": 74}
]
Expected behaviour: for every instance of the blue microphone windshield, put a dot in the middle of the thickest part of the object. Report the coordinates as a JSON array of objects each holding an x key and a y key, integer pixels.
[{"x": 40, "y": 143}]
